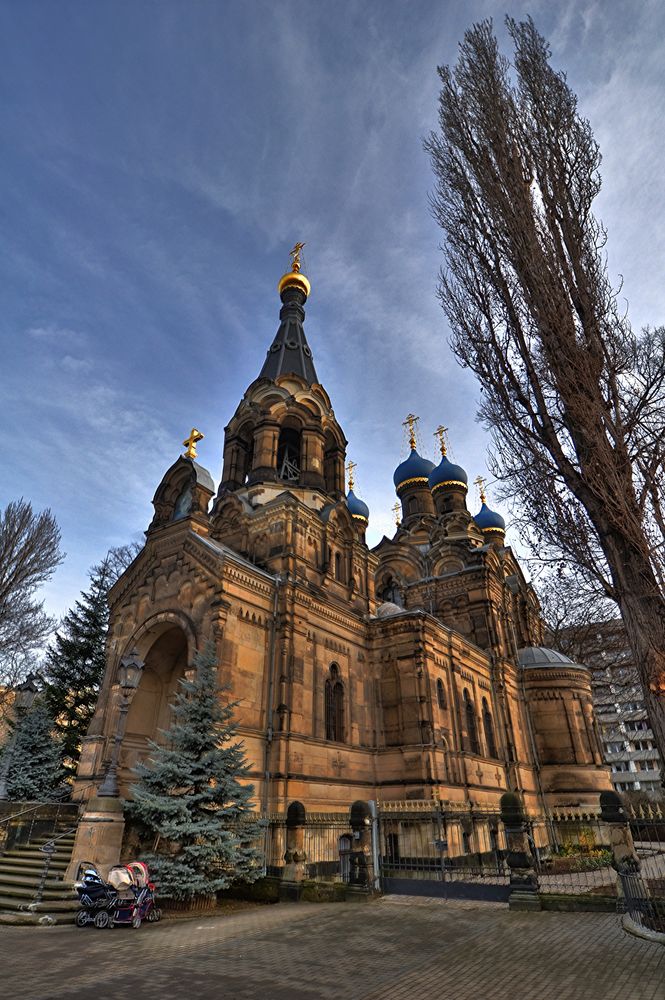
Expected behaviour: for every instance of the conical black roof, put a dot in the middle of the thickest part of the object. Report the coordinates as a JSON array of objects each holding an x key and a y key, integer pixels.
[{"x": 289, "y": 353}]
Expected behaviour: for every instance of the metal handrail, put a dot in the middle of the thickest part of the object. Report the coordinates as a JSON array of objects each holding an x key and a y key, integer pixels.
[
  {"x": 38, "y": 805},
  {"x": 5, "y": 821},
  {"x": 49, "y": 850}
]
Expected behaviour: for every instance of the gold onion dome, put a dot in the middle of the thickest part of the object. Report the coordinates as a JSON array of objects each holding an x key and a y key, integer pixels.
[{"x": 294, "y": 279}]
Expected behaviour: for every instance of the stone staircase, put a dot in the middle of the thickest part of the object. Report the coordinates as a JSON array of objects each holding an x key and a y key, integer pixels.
[{"x": 21, "y": 870}]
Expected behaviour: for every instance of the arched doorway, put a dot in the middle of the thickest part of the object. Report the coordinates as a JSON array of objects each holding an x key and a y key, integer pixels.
[{"x": 166, "y": 659}]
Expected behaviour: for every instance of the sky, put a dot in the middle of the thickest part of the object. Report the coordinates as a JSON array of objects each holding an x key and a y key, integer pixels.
[{"x": 159, "y": 160}]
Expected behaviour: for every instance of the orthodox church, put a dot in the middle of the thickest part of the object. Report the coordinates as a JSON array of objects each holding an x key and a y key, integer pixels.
[{"x": 410, "y": 671}]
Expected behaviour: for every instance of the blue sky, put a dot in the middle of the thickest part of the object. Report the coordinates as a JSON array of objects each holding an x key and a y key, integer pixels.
[{"x": 159, "y": 159}]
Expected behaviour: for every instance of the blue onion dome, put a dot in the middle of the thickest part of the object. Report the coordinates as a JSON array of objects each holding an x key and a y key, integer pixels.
[
  {"x": 489, "y": 520},
  {"x": 357, "y": 508},
  {"x": 447, "y": 474},
  {"x": 414, "y": 469}
]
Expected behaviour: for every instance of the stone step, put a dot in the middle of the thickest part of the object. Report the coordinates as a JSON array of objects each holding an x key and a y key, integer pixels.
[
  {"x": 26, "y": 865},
  {"x": 12, "y": 904},
  {"x": 28, "y": 855},
  {"x": 19, "y": 879},
  {"x": 27, "y": 892},
  {"x": 24, "y": 919}
]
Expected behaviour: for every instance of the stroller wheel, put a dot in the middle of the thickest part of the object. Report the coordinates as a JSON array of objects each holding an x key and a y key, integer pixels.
[
  {"x": 151, "y": 916},
  {"x": 136, "y": 921},
  {"x": 102, "y": 919},
  {"x": 82, "y": 918},
  {"x": 158, "y": 913}
]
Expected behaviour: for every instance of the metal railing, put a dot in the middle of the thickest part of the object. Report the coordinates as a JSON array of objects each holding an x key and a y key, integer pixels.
[
  {"x": 49, "y": 849},
  {"x": 642, "y": 900}
]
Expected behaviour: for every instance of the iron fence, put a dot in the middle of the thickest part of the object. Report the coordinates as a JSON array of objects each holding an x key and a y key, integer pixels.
[
  {"x": 326, "y": 846},
  {"x": 578, "y": 859},
  {"x": 425, "y": 842}
]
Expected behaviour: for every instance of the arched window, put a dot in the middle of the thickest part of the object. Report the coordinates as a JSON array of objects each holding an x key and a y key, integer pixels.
[
  {"x": 339, "y": 572},
  {"x": 334, "y": 706},
  {"x": 183, "y": 504},
  {"x": 390, "y": 591},
  {"x": 471, "y": 728},
  {"x": 248, "y": 459},
  {"x": 440, "y": 693},
  {"x": 413, "y": 505},
  {"x": 243, "y": 454},
  {"x": 488, "y": 726},
  {"x": 288, "y": 455}
]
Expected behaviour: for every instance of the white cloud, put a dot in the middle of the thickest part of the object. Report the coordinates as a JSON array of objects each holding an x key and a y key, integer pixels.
[{"x": 52, "y": 333}]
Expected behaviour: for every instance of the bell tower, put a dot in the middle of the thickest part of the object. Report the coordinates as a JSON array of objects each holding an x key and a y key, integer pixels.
[
  {"x": 282, "y": 501},
  {"x": 284, "y": 431}
]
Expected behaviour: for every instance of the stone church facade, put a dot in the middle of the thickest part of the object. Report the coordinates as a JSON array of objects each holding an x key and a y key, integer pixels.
[{"x": 411, "y": 671}]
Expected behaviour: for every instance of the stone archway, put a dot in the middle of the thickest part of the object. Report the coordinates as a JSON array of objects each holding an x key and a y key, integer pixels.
[{"x": 165, "y": 650}]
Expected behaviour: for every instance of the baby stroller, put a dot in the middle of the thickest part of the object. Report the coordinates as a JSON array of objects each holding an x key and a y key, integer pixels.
[
  {"x": 127, "y": 898},
  {"x": 135, "y": 901},
  {"x": 97, "y": 898}
]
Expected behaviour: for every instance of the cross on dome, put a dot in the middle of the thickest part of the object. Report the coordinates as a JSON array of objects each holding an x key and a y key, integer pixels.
[
  {"x": 410, "y": 422},
  {"x": 190, "y": 442}
]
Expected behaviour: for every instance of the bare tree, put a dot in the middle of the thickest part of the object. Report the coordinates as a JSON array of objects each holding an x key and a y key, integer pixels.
[
  {"x": 575, "y": 399},
  {"x": 29, "y": 555}
]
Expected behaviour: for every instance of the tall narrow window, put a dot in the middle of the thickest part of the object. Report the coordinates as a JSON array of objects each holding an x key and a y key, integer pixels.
[
  {"x": 334, "y": 706},
  {"x": 440, "y": 693},
  {"x": 338, "y": 567},
  {"x": 288, "y": 455},
  {"x": 471, "y": 728},
  {"x": 488, "y": 726}
]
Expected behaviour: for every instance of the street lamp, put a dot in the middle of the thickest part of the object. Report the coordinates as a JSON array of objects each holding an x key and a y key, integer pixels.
[
  {"x": 129, "y": 676},
  {"x": 24, "y": 697}
]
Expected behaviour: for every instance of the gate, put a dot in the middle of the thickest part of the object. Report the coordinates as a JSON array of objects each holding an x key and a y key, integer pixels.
[{"x": 427, "y": 850}]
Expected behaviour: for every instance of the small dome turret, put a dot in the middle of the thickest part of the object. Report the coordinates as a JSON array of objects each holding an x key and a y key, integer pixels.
[
  {"x": 447, "y": 474},
  {"x": 448, "y": 482},
  {"x": 414, "y": 469},
  {"x": 489, "y": 520},
  {"x": 358, "y": 509}
]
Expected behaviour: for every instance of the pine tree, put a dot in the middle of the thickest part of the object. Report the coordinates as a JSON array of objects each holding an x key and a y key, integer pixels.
[
  {"x": 190, "y": 797},
  {"x": 34, "y": 771},
  {"x": 75, "y": 663}
]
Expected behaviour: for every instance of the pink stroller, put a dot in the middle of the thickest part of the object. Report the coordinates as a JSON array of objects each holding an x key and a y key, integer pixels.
[{"x": 136, "y": 894}]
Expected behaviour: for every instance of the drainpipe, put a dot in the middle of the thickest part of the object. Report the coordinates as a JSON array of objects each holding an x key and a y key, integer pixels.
[{"x": 271, "y": 684}]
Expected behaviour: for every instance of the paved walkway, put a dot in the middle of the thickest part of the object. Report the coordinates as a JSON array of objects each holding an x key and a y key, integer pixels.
[{"x": 392, "y": 949}]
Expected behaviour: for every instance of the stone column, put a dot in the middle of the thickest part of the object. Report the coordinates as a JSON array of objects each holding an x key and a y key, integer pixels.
[
  {"x": 520, "y": 860},
  {"x": 619, "y": 835},
  {"x": 362, "y": 872},
  {"x": 98, "y": 836},
  {"x": 295, "y": 856}
]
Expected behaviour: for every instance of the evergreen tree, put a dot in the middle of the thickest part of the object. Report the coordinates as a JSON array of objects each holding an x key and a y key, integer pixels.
[
  {"x": 34, "y": 768},
  {"x": 189, "y": 794},
  {"x": 74, "y": 665}
]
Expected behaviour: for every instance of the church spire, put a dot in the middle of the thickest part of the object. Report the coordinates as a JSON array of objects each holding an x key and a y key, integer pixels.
[{"x": 289, "y": 353}]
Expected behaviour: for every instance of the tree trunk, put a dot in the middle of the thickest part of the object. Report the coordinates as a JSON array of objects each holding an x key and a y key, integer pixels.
[{"x": 643, "y": 611}]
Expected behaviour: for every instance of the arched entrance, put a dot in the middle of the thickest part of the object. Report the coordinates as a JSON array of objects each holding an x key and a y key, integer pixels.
[{"x": 166, "y": 659}]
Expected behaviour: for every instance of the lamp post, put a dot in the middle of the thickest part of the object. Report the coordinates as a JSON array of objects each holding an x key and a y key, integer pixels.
[
  {"x": 129, "y": 675},
  {"x": 24, "y": 696}
]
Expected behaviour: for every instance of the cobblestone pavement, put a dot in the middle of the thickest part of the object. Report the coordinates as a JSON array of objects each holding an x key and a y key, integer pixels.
[{"x": 392, "y": 949}]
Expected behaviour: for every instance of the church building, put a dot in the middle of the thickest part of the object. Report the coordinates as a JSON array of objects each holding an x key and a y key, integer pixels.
[{"x": 411, "y": 671}]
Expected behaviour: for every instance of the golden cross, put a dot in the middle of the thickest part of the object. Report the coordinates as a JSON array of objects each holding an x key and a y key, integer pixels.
[
  {"x": 411, "y": 422},
  {"x": 440, "y": 433},
  {"x": 190, "y": 443},
  {"x": 480, "y": 483},
  {"x": 396, "y": 512},
  {"x": 350, "y": 469},
  {"x": 295, "y": 255}
]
